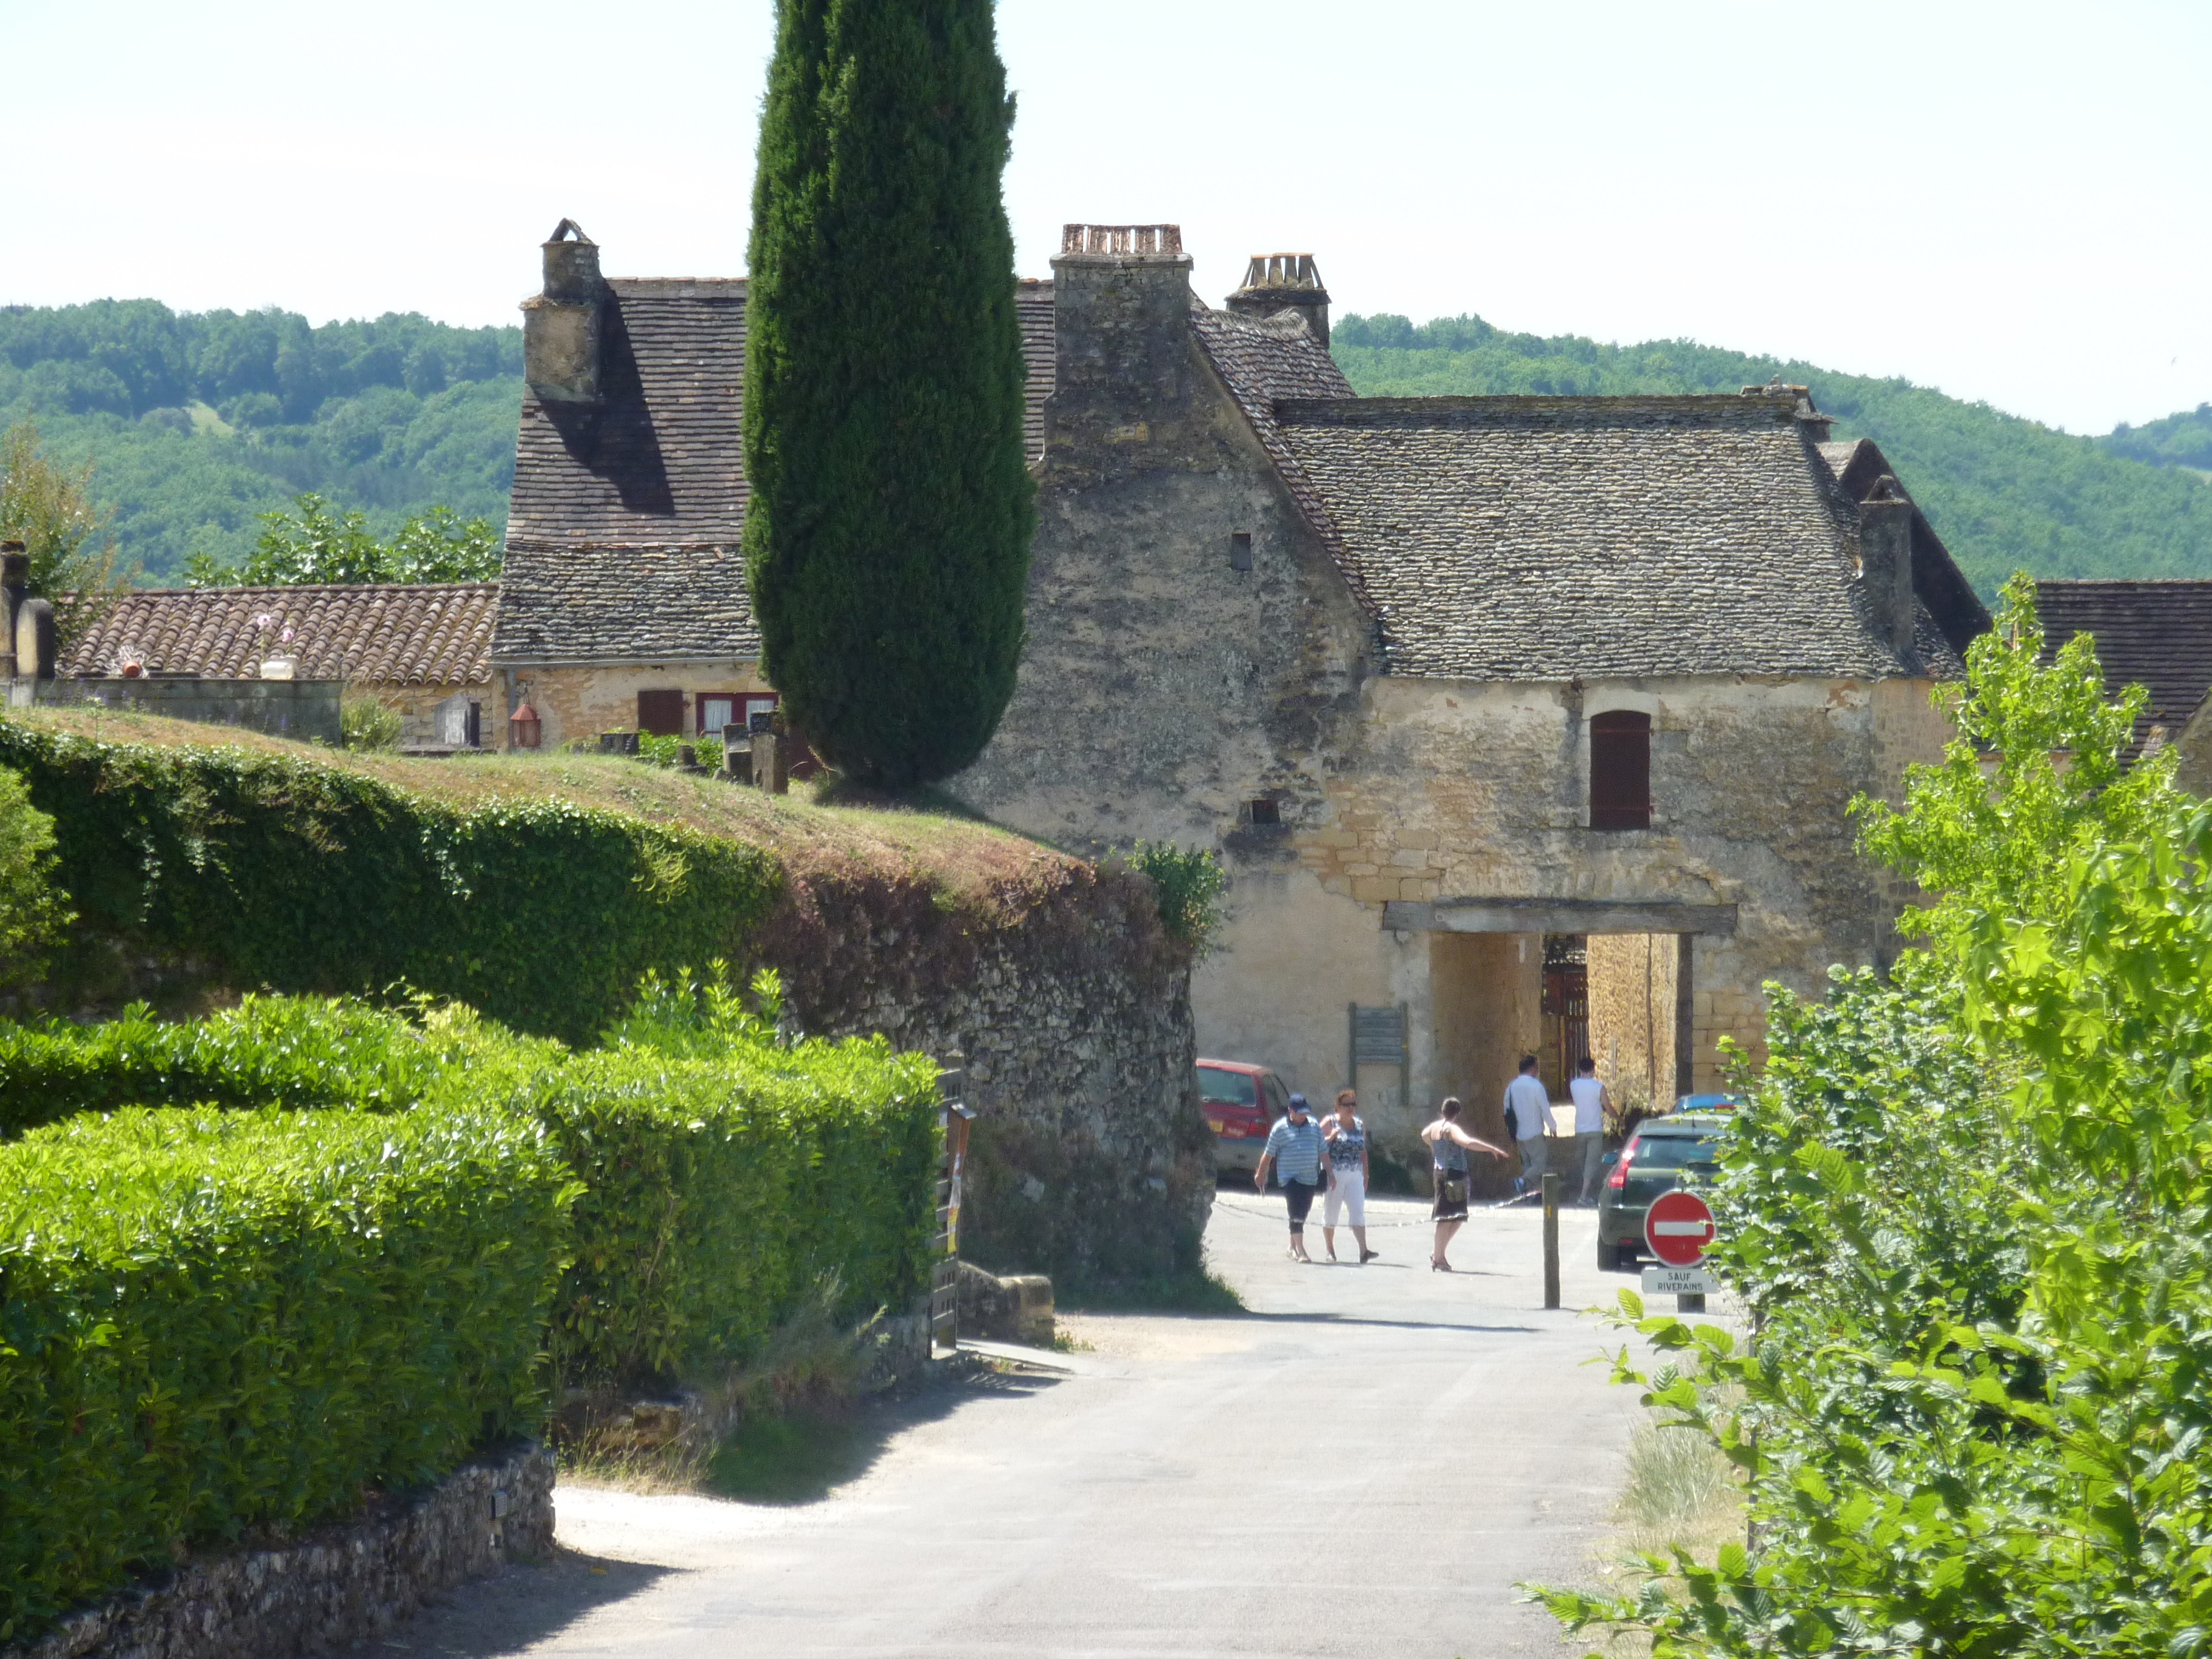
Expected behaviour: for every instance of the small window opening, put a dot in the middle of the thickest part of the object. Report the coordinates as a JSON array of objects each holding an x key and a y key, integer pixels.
[
  {"x": 1267, "y": 811},
  {"x": 1621, "y": 770},
  {"x": 1240, "y": 550}
]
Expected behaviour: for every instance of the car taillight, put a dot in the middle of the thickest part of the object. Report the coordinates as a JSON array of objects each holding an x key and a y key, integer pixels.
[{"x": 1618, "y": 1178}]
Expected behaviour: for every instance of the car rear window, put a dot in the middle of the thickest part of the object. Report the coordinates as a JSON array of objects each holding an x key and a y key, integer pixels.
[
  {"x": 1674, "y": 1151},
  {"x": 1227, "y": 1088}
]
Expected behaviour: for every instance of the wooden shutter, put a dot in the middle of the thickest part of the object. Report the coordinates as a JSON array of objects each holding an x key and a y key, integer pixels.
[
  {"x": 660, "y": 713},
  {"x": 1621, "y": 770}
]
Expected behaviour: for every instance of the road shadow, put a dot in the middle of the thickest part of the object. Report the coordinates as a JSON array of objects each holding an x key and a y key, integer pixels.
[
  {"x": 512, "y": 1608},
  {"x": 802, "y": 1458}
]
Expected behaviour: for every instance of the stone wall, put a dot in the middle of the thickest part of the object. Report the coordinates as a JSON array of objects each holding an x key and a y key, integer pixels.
[
  {"x": 1089, "y": 1159},
  {"x": 581, "y": 699},
  {"x": 305, "y": 710},
  {"x": 330, "y": 1588},
  {"x": 1631, "y": 1016}
]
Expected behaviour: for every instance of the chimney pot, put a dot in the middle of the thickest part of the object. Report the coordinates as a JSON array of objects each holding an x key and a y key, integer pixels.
[
  {"x": 560, "y": 326},
  {"x": 1284, "y": 282}
]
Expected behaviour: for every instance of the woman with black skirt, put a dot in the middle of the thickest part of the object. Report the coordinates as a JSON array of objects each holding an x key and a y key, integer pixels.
[{"x": 1449, "y": 1144}]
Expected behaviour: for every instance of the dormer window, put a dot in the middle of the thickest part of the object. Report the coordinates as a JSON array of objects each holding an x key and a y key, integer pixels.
[{"x": 1621, "y": 770}]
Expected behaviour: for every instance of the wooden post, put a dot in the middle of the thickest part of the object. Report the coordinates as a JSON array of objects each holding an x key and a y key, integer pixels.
[{"x": 1551, "y": 1238}]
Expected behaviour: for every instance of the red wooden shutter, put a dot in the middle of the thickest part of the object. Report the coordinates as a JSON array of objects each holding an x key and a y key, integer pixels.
[
  {"x": 660, "y": 713},
  {"x": 1621, "y": 770}
]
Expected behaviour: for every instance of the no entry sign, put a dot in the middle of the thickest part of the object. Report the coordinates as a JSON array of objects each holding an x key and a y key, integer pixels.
[{"x": 1678, "y": 1226}]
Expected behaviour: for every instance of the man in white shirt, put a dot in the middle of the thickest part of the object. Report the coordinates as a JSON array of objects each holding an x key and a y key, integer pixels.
[
  {"x": 1592, "y": 1103},
  {"x": 1530, "y": 1103}
]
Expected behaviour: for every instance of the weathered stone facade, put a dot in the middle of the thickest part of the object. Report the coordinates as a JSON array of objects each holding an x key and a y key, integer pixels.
[
  {"x": 1265, "y": 616},
  {"x": 330, "y": 1588}
]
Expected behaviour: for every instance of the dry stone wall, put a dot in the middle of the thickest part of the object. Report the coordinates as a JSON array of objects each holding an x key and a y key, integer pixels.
[{"x": 1071, "y": 1006}]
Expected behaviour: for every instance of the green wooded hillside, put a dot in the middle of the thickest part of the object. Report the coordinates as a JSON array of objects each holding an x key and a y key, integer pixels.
[
  {"x": 2004, "y": 493},
  {"x": 196, "y": 422}
]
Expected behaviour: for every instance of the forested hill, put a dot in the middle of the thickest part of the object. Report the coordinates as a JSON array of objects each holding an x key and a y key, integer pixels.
[
  {"x": 195, "y": 422},
  {"x": 2005, "y": 493}
]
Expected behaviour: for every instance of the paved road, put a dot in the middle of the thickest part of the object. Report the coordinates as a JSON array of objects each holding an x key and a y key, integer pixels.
[{"x": 1365, "y": 1465}]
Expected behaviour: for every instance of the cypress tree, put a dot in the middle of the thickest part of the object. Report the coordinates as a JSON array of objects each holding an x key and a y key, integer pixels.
[{"x": 887, "y": 537}]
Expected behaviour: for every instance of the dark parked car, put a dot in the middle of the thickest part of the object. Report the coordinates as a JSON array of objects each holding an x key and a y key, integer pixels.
[
  {"x": 1241, "y": 1102},
  {"x": 1654, "y": 1161}
]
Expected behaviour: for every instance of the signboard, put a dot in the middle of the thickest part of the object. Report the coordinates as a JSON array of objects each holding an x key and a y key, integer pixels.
[
  {"x": 1678, "y": 1226},
  {"x": 1680, "y": 1281}
]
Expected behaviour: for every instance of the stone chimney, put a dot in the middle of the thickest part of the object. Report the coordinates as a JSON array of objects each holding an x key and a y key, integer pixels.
[
  {"x": 1284, "y": 282},
  {"x": 14, "y": 588},
  {"x": 560, "y": 326},
  {"x": 1124, "y": 360},
  {"x": 1885, "y": 562}
]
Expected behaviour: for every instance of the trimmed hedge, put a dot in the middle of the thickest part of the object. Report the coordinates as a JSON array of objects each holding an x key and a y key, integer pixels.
[
  {"x": 297, "y": 1051},
  {"x": 718, "y": 1193},
  {"x": 218, "y": 1322},
  {"x": 283, "y": 872}
]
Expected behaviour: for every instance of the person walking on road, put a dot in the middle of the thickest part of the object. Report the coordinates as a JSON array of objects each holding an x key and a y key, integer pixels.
[
  {"x": 1347, "y": 1175},
  {"x": 1294, "y": 1152},
  {"x": 1449, "y": 1144},
  {"x": 1592, "y": 1102},
  {"x": 1529, "y": 1117}
]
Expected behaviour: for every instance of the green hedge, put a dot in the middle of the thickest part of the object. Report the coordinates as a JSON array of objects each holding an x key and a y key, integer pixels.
[
  {"x": 221, "y": 1322},
  {"x": 718, "y": 1192},
  {"x": 282, "y": 871},
  {"x": 299, "y": 1052}
]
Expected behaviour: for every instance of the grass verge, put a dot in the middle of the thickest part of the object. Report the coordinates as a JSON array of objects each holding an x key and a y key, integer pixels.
[{"x": 1198, "y": 1292}]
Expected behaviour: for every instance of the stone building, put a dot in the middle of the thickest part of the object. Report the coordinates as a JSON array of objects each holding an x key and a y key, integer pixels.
[
  {"x": 1458, "y": 684},
  {"x": 1511, "y": 717},
  {"x": 624, "y": 604},
  {"x": 421, "y": 649}
]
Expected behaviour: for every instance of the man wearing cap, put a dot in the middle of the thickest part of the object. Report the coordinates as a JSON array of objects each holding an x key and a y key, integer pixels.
[{"x": 1294, "y": 1152}]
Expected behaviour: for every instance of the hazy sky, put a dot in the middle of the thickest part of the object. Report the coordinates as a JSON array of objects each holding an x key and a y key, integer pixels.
[{"x": 2008, "y": 201}]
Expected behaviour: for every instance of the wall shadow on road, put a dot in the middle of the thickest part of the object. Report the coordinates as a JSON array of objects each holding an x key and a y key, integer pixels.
[{"x": 506, "y": 1611}]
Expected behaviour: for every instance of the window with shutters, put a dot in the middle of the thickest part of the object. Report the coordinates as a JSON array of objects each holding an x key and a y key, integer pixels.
[
  {"x": 660, "y": 713},
  {"x": 1621, "y": 770}
]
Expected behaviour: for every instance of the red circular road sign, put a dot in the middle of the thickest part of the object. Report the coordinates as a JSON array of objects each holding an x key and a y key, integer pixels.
[{"x": 1678, "y": 1226}]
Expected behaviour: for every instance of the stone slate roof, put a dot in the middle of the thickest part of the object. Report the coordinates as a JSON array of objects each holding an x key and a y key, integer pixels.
[
  {"x": 624, "y": 524},
  {"x": 1265, "y": 361},
  {"x": 429, "y": 633},
  {"x": 2157, "y": 634},
  {"x": 1546, "y": 538}
]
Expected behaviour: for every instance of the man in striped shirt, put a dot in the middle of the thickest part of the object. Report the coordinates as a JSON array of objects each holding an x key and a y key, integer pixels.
[{"x": 1294, "y": 1152}]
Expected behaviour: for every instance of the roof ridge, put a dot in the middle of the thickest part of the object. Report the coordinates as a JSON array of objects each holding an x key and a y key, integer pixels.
[{"x": 1758, "y": 405}]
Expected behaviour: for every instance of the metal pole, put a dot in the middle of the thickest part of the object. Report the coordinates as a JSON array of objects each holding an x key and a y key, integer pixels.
[
  {"x": 1551, "y": 1238},
  {"x": 1689, "y": 1303}
]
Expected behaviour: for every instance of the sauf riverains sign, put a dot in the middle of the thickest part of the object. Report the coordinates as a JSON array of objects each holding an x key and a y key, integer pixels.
[{"x": 1678, "y": 1226}]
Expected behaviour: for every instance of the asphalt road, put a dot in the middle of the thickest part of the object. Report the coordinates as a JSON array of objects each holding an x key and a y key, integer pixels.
[{"x": 1367, "y": 1463}]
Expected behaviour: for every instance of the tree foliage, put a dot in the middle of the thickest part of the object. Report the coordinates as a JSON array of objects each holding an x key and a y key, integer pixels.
[
  {"x": 1972, "y": 1212},
  {"x": 2004, "y": 493},
  {"x": 887, "y": 539},
  {"x": 48, "y": 507},
  {"x": 33, "y": 910},
  {"x": 198, "y": 423},
  {"x": 316, "y": 542}
]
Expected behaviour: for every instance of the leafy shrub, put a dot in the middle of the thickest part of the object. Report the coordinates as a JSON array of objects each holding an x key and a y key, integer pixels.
[
  {"x": 1188, "y": 886},
  {"x": 219, "y": 1322},
  {"x": 366, "y": 721},
  {"x": 301, "y": 877},
  {"x": 33, "y": 911},
  {"x": 718, "y": 1188},
  {"x": 292, "y": 1052}
]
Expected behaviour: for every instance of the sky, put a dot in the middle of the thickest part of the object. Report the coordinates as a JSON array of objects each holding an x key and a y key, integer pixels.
[{"x": 2007, "y": 202}]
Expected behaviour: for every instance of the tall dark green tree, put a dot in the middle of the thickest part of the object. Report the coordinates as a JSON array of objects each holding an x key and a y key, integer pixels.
[{"x": 888, "y": 535}]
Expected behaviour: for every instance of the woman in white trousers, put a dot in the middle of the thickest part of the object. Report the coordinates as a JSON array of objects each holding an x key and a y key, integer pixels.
[{"x": 1347, "y": 1138}]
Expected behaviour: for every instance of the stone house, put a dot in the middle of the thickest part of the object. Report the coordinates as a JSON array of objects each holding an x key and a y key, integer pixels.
[
  {"x": 1519, "y": 723},
  {"x": 422, "y": 649}
]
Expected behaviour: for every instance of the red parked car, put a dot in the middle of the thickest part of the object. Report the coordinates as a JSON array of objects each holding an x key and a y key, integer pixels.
[{"x": 1241, "y": 1102}]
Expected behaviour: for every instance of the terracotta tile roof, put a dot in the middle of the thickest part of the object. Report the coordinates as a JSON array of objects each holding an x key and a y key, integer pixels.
[
  {"x": 386, "y": 633},
  {"x": 1534, "y": 539},
  {"x": 624, "y": 524},
  {"x": 2157, "y": 634}
]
